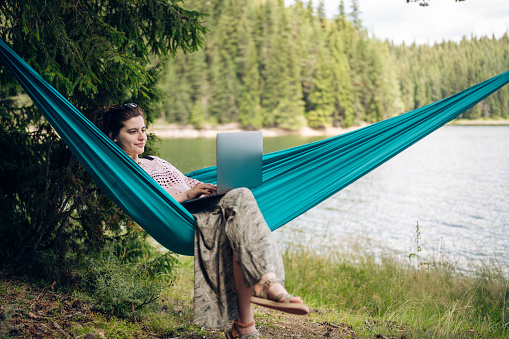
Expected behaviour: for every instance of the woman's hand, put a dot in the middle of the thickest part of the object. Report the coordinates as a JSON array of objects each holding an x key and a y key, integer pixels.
[
  {"x": 201, "y": 189},
  {"x": 196, "y": 191}
]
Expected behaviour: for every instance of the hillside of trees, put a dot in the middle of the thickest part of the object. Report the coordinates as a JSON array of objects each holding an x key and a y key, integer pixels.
[{"x": 264, "y": 64}]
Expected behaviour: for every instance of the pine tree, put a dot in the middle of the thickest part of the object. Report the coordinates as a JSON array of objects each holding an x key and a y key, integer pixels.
[
  {"x": 224, "y": 87},
  {"x": 355, "y": 14},
  {"x": 197, "y": 115},
  {"x": 250, "y": 113},
  {"x": 289, "y": 112},
  {"x": 307, "y": 37},
  {"x": 177, "y": 103},
  {"x": 320, "y": 12},
  {"x": 369, "y": 80},
  {"x": 103, "y": 50},
  {"x": 273, "y": 67},
  {"x": 341, "y": 17},
  {"x": 95, "y": 53},
  {"x": 198, "y": 78},
  {"x": 323, "y": 96}
]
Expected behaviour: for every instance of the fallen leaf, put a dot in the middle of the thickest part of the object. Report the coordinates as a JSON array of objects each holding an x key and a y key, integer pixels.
[{"x": 32, "y": 315}]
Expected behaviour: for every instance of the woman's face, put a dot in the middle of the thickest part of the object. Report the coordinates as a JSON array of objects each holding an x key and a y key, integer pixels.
[{"x": 132, "y": 137}]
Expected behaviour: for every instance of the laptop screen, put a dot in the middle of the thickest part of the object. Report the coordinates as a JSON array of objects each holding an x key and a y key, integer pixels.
[{"x": 239, "y": 160}]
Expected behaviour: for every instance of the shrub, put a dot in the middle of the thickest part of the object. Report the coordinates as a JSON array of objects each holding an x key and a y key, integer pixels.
[{"x": 126, "y": 289}]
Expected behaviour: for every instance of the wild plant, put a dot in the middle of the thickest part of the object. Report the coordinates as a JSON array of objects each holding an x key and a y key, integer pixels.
[
  {"x": 418, "y": 249},
  {"x": 126, "y": 289}
]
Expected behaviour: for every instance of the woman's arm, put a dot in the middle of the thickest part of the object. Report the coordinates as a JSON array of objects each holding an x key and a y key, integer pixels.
[{"x": 196, "y": 191}]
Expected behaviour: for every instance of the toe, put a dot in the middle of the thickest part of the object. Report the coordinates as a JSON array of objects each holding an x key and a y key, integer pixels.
[
  {"x": 296, "y": 300},
  {"x": 292, "y": 299}
]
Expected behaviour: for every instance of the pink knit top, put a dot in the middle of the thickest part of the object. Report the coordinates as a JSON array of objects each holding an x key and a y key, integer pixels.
[{"x": 167, "y": 175}]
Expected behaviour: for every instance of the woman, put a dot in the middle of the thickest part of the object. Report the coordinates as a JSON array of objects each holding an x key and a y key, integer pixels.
[{"x": 237, "y": 261}]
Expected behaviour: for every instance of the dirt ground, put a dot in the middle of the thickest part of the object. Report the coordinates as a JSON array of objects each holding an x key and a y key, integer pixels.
[{"x": 28, "y": 312}]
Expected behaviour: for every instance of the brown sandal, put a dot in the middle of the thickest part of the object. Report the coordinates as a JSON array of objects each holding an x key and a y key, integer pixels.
[
  {"x": 234, "y": 333},
  {"x": 261, "y": 297}
]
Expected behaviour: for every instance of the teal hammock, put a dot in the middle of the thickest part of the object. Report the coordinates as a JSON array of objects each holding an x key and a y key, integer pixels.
[{"x": 294, "y": 180}]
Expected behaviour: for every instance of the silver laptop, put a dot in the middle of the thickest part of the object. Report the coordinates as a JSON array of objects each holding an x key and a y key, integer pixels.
[{"x": 238, "y": 161}]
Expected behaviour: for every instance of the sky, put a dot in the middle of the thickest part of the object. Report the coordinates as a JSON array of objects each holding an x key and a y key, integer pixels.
[{"x": 400, "y": 21}]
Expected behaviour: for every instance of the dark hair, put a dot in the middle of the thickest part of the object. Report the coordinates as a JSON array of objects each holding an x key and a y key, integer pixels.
[{"x": 111, "y": 120}]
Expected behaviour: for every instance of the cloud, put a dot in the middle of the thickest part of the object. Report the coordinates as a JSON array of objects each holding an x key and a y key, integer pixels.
[{"x": 399, "y": 21}]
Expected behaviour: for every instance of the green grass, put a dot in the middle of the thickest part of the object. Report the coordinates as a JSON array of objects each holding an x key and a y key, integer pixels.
[
  {"x": 383, "y": 296},
  {"x": 176, "y": 302},
  {"x": 394, "y": 297}
]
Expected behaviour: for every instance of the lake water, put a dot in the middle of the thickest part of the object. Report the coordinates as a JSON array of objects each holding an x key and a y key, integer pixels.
[{"x": 454, "y": 183}]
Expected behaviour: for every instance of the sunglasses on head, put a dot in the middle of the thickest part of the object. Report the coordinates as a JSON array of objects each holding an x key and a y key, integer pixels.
[
  {"x": 129, "y": 104},
  {"x": 117, "y": 107}
]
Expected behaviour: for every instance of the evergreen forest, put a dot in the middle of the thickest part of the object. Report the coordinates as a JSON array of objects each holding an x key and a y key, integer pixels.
[{"x": 265, "y": 64}]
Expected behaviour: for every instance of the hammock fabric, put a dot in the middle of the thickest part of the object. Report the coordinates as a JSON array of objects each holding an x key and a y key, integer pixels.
[{"x": 293, "y": 179}]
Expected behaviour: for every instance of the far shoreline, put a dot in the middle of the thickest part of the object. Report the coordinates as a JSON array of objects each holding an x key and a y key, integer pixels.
[{"x": 168, "y": 131}]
